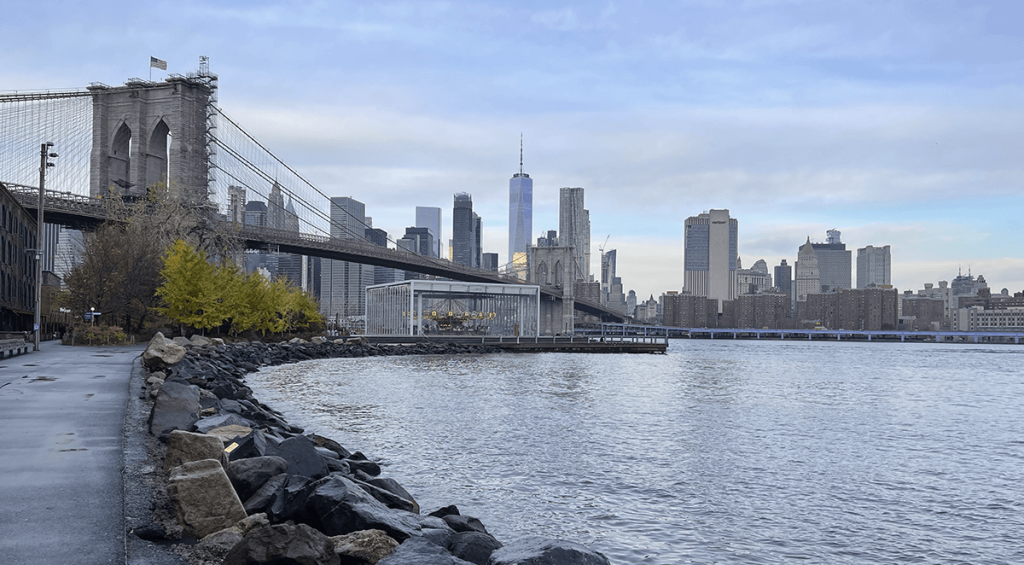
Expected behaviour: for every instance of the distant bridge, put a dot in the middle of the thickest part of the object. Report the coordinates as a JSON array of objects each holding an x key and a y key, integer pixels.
[{"x": 949, "y": 336}]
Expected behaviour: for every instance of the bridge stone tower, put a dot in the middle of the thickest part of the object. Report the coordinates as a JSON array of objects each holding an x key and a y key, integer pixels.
[
  {"x": 555, "y": 266},
  {"x": 149, "y": 132}
]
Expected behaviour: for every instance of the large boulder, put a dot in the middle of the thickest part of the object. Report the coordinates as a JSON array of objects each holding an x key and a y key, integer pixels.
[
  {"x": 365, "y": 547},
  {"x": 203, "y": 499},
  {"x": 475, "y": 547},
  {"x": 263, "y": 499},
  {"x": 418, "y": 551},
  {"x": 340, "y": 506},
  {"x": 389, "y": 498},
  {"x": 176, "y": 408},
  {"x": 199, "y": 340},
  {"x": 283, "y": 544},
  {"x": 302, "y": 457},
  {"x": 248, "y": 475},
  {"x": 185, "y": 447},
  {"x": 252, "y": 445},
  {"x": 546, "y": 551},
  {"x": 162, "y": 353}
]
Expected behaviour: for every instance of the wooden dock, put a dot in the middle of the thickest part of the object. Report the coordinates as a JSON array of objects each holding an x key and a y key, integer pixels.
[{"x": 551, "y": 344}]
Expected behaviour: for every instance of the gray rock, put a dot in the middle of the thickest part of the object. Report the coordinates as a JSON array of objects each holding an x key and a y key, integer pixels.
[
  {"x": 389, "y": 499},
  {"x": 176, "y": 408},
  {"x": 392, "y": 486},
  {"x": 546, "y": 551},
  {"x": 263, "y": 499},
  {"x": 302, "y": 457},
  {"x": 161, "y": 353},
  {"x": 252, "y": 445},
  {"x": 248, "y": 475},
  {"x": 220, "y": 543},
  {"x": 185, "y": 447},
  {"x": 327, "y": 453},
  {"x": 475, "y": 547},
  {"x": 199, "y": 340},
  {"x": 363, "y": 547},
  {"x": 283, "y": 544},
  {"x": 204, "y": 425},
  {"x": 418, "y": 551},
  {"x": 341, "y": 507},
  {"x": 203, "y": 498},
  {"x": 230, "y": 433},
  {"x": 182, "y": 341},
  {"x": 461, "y": 523}
]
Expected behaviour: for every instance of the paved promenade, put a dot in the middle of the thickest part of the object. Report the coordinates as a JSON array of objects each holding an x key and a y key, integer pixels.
[{"x": 61, "y": 412}]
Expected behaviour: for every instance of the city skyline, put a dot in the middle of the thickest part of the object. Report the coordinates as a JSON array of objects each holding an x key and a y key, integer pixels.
[{"x": 896, "y": 123}]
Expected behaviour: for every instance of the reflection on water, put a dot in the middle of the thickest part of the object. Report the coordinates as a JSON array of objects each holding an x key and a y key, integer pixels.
[{"x": 720, "y": 451}]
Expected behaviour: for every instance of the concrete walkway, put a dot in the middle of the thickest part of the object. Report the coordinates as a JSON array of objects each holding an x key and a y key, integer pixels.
[{"x": 61, "y": 413}]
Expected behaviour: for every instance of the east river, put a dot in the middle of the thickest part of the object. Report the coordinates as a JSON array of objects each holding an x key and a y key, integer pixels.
[{"x": 717, "y": 452}]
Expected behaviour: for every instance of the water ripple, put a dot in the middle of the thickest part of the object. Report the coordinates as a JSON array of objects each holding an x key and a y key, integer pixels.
[{"x": 719, "y": 452}]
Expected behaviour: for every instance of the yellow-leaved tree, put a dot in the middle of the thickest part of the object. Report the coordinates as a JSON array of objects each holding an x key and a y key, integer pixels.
[{"x": 189, "y": 289}]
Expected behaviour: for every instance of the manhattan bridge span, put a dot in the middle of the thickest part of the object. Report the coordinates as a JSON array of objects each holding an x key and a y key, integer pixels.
[{"x": 122, "y": 140}]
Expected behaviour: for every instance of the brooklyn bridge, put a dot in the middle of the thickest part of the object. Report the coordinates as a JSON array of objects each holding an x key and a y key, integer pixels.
[{"x": 119, "y": 141}]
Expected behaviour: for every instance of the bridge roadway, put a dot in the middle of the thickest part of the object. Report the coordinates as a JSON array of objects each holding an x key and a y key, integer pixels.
[{"x": 83, "y": 212}]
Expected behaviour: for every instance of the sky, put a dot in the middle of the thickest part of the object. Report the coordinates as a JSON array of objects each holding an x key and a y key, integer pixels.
[{"x": 897, "y": 122}]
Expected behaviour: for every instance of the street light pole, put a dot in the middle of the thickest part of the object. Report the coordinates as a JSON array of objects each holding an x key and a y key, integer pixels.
[{"x": 44, "y": 153}]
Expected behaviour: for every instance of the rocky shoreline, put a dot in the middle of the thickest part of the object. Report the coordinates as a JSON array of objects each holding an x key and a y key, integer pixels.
[{"x": 228, "y": 480}]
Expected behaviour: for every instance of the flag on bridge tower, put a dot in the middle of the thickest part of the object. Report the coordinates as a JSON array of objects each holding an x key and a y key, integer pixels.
[{"x": 154, "y": 62}]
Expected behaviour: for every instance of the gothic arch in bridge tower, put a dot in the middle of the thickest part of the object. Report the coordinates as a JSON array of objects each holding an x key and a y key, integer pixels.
[
  {"x": 156, "y": 154},
  {"x": 542, "y": 273},
  {"x": 120, "y": 158},
  {"x": 166, "y": 124}
]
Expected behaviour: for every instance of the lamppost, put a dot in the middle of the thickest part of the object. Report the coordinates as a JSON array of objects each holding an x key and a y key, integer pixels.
[
  {"x": 92, "y": 316},
  {"x": 44, "y": 153}
]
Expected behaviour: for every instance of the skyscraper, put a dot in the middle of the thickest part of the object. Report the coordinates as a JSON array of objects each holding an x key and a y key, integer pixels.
[
  {"x": 430, "y": 217},
  {"x": 343, "y": 283},
  {"x": 464, "y": 232},
  {"x": 520, "y": 219},
  {"x": 709, "y": 263},
  {"x": 834, "y": 262},
  {"x": 808, "y": 275},
  {"x": 574, "y": 229},
  {"x": 784, "y": 278},
  {"x": 874, "y": 266}
]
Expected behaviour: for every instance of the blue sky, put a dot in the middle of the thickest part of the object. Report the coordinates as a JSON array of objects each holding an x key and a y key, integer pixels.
[{"x": 898, "y": 123}]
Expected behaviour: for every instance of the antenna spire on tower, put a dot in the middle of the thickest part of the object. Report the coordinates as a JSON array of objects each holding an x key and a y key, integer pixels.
[{"x": 520, "y": 153}]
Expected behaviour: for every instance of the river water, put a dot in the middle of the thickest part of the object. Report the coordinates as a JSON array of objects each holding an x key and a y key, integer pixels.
[{"x": 717, "y": 452}]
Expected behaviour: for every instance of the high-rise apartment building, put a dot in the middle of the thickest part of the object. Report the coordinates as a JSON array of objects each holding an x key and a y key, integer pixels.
[
  {"x": 709, "y": 263},
  {"x": 834, "y": 262},
  {"x": 520, "y": 220},
  {"x": 808, "y": 276},
  {"x": 430, "y": 217},
  {"x": 343, "y": 283},
  {"x": 574, "y": 229},
  {"x": 784, "y": 278},
  {"x": 874, "y": 266}
]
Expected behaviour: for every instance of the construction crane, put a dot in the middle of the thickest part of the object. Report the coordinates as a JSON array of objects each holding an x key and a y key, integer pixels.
[{"x": 603, "y": 245}]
